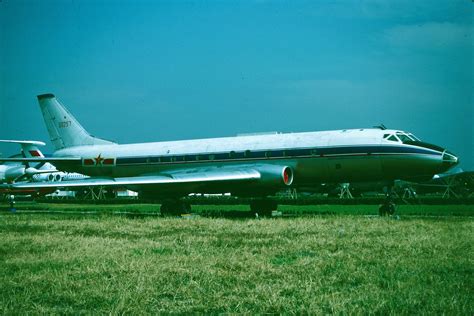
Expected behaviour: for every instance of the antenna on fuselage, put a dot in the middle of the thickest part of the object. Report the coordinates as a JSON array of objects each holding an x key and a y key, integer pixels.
[{"x": 381, "y": 126}]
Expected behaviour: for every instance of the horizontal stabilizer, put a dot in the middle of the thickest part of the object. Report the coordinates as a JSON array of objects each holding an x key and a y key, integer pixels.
[
  {"x": 41, "y": 159},
  {"x": 26, "y": 142}
]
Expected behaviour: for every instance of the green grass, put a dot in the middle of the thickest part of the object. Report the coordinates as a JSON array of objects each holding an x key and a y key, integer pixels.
[
  {"x": 326, "y": 264},
  {"x": 229, "y": 210}
]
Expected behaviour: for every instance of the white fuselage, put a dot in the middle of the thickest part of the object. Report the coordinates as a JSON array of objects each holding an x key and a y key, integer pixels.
[
  {"x": 327, "y": 156},
  {"x": 253, "y": 165}
]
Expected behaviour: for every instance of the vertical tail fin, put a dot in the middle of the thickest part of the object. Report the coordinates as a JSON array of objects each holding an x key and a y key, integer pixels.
[
  {"x": 64, "y": 130},
  {"x": 29, "y": 149}
]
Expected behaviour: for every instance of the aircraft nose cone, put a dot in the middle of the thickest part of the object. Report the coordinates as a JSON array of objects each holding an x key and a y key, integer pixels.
[{"x": 449, "y": 159}]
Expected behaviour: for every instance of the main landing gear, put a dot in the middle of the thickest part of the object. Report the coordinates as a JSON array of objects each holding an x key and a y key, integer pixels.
[
  {"x": 387, "y": 208},
  {"x": 175, "y": 207},
  {"x": 263, "y": 207},
  {"x": 260, "y": 207},
  {"x": 11, "y": 202}
]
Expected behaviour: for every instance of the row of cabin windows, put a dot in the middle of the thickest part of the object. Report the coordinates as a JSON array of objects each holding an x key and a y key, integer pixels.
[{"x": 222, "y": 156}]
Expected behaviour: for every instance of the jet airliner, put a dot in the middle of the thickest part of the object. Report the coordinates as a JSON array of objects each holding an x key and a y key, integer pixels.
[
  {"x": 251, "y": 165},
  {"x": 40, "y": 172}
]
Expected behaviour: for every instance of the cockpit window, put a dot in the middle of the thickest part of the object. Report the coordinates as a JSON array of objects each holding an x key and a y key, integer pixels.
[
  {"x": 407, "y": 138},
  {"x": 391, "y": 137},
  {"x": 414, "y": 137},
  {"x": 404, "y": 138},
  {"x": 401, "y": 137}
]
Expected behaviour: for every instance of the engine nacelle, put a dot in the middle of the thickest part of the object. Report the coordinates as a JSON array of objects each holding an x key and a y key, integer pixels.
[
  {"x": 276, "y": 175},
  {"x": 12, "y": 173},
  {"x": 43, "y": 177}
]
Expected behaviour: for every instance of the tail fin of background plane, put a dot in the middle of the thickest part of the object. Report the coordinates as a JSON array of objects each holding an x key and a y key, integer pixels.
[
  {"x": 29, "y": 147},
  {"x": 64, "y": 130}
]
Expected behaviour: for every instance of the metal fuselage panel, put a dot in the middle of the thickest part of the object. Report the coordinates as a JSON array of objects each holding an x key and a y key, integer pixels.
[{"x": 315, "y": 157}]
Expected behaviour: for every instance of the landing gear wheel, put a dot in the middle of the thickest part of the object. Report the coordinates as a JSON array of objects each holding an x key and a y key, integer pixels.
[
  {"x": 391, "y": 209},
  {"x": 387, "y": 209},
  {"x": 263, "y": 207},
  {"x": 174, "y": 208}
]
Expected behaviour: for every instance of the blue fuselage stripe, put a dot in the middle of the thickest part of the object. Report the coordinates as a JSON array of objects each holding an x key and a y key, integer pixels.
[{"x": 278, "y": 153}]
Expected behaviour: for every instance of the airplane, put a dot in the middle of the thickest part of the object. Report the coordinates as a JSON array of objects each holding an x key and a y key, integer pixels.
[
  {"x": 250, "y": 165},
  {"x": 456, "y": 182},
  {"x": 15, "y": 171},
  {"x": 12, "y": 171},
  {"x": 43, "y": 171}
]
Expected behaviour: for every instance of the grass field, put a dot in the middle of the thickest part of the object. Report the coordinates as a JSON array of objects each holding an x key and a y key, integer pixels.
[
  {"x": 236, "y": 210},
  {"x": 65, "y": 263}
]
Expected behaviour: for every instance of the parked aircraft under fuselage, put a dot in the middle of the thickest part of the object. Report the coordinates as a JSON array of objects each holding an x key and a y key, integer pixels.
[
  {"x": 12, "y": 171},
  {"x": 253, "y": 165},
  {"x": 37, "y": 172}
]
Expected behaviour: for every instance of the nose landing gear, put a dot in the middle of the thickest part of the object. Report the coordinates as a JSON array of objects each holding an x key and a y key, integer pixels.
[
  {"x": 387, "y": 208},
  {"x": 11, "y": 200}
]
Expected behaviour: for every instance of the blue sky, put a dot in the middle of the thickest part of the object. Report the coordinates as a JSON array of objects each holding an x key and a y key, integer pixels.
[{"x": 136, "y": 71}]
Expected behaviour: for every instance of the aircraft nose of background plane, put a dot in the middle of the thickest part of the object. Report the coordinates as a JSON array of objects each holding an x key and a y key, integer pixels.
[{"x": 449, "y": 159}]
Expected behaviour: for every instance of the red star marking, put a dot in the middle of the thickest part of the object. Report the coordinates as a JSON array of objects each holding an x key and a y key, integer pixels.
[{"x": 98, "y": 160}]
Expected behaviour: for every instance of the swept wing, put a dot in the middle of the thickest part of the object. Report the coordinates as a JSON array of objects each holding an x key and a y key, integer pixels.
[
  {"x": 268, "y": 176},
  {"x": 159, "y": 179}
]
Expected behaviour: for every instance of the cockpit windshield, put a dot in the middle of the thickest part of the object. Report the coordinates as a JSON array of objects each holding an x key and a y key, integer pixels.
[
  {"x": 404, "y": 137},
  {"x": 391, "y": 137},
  {"x": 401, "y": 137},
  {"x": 414, "y": 137}
]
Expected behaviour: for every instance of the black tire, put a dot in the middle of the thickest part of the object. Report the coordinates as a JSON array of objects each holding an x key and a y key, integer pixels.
[
  {"x": 387, "y": 209},
  {"x": 174, "y": 208},
  {"x": 263, "y": 207},
  {"x": 391, "y": 209}
]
